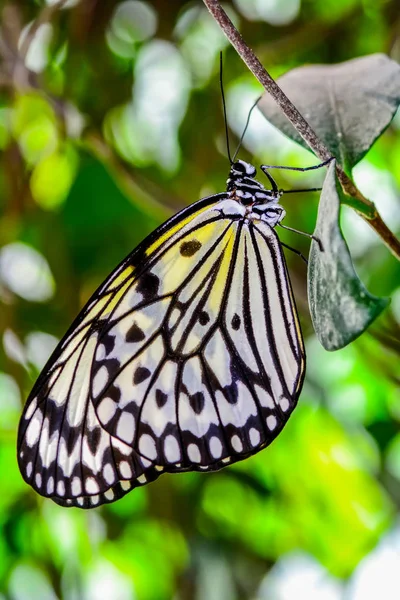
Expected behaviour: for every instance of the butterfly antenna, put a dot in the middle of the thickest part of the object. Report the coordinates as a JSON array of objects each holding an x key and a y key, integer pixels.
[
  {"x": 224, "y": 106},
  {"x": 245, "y": 128}
]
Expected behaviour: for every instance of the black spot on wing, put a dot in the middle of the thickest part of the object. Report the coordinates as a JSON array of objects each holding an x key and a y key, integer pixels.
[
  {"x": 111, "y": 364},
  {"x": 108, "y": 341},
  {"x": 204, "y": 318},
  {"x": 55, "y": 416},
  {"x": 161, "y": 398},
  {"x": 189, "y": 248},
  {"x": 231, "y": 393},
  {"x": 93, "y": 439},
  {"x": 114, "y": 392},
  {"x": 134, "y": 334},
  {"x": 235, "y": 322},
  {"x": 141, "y": 374},
  {"x": 196, "y": 401},
  {"x": 71, "y": 436},
  {"x": 148, "y": 285}
]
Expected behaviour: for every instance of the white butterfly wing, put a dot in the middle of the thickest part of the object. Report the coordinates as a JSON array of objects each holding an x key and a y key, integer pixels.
[{"x": 189, "y": 357}]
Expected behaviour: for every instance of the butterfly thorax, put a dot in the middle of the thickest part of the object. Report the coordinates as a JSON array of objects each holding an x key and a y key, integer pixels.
[{"x": 261, "y": 203}]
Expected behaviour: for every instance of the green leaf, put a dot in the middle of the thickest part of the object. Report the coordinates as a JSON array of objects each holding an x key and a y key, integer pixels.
[
  {"x": 341, "y": 307},
  {"x": 348, "y": 105}
]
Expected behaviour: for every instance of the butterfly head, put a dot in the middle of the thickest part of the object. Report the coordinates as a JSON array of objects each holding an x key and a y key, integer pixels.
[
  {"x": 243, "y": 187},
  {"x": 260, "y": 203},
  {"x": 240, "y": 168}
]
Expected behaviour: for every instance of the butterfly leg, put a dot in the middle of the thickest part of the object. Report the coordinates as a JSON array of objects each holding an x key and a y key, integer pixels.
[
  {"x": 295, "y": 251},
  {"x": 318, "y": 189},
  {"x": 319, "y": 166},
  {"x": 272, "y": 181},
  {"x": 309, "y": 235}
]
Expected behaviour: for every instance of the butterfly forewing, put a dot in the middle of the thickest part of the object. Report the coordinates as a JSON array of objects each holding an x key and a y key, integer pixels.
[{"x": 188, "y": 357}]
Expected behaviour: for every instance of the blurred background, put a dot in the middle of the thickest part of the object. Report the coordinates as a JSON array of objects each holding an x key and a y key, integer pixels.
[{"x": 111, "y": 121}]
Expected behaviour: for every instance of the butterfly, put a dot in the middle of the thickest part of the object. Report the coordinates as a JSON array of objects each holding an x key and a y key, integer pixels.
[{"x": 189, "y": 357}]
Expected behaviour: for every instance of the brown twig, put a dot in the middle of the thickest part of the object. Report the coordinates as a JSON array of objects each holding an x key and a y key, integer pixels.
[
  {"x": 250, "y": 59},
  {"x": 355, "y": 199}
]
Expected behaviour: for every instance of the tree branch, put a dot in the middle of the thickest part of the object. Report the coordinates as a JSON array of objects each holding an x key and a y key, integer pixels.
[
  {"x": 251, "y": 60},
  {"x": 355, "y": 199}
]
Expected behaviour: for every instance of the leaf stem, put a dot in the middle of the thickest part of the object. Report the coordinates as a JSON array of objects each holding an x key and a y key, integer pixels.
[{"x": 354, "y": 197}]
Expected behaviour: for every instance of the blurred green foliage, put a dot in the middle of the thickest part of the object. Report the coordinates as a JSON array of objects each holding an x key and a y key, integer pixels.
[{"x": 110, "y": 120}]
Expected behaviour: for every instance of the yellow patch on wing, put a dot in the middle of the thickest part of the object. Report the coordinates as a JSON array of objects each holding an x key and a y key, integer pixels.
[
  {"x": 170, "y": 232},
  {"x": 180, "y": 260},
  {"x": 106, "y": 304},
  {"x": 217, "y": 291},
  {"x": 121, "y": 277},
  {"x": 116, "y": 298},
  {"x": 97, "y": 308}
]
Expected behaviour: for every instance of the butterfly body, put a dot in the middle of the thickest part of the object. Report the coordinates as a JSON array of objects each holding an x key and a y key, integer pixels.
[{"x": 188, "y": 357}]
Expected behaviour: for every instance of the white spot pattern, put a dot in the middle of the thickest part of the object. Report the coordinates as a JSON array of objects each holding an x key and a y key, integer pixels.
[
  {"x": 100, "y": 381},
  {"x": 215, "y": 447},
  {"x": 76, "y": 486},
  {"x": 236, "y": 443},
  {"x": 91, "y": 485},
  {"x": 147, "y": 446},
  {"x": 34, "y": 427},
  {"x": 50, "y": 485},
  {"x": 126, "y": 428},
  {"x": 284, "y": 404},
  {"x": 254, "y": 437},
  {"x": 108, "y": 473},
  {"x": 194, "y": 453},
  {"x": 125, "y": 469},
  {"x": 106, "y": 409},
  {"x": 171, "y": 449}
]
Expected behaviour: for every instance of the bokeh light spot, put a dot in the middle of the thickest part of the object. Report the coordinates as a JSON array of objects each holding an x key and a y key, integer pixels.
[{"x": 26, "y": 272}]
